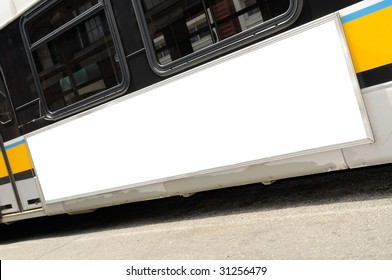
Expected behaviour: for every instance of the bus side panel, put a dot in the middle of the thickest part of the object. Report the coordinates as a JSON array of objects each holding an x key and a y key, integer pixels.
[
  {"x": 379, "y": 106},
  {"x": 199, "y": 123},
  {"x": 22, "y": 169},
  {"x": 368, "y": 31},
  {"x": 8, "y": 202}
]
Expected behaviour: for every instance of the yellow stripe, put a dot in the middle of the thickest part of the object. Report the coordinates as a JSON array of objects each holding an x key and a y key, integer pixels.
[
  {"x": 370, "y": 40},
  {"x": 3, "y": 168},
  {"x": 19, "y": 158}
]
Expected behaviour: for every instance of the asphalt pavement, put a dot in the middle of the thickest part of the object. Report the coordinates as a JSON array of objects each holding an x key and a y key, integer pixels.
[{"x": 339, "y": 215}]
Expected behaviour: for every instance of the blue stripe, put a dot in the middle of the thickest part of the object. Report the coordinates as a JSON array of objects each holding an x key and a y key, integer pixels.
[
  {"x": 366, "y": 11},
  {"x": 15, "y": 144}
]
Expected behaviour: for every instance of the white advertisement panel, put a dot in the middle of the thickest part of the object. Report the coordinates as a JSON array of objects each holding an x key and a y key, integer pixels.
[{"x": 291, "y": 95}]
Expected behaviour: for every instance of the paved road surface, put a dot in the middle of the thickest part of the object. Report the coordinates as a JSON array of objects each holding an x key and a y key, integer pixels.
[{"x": 342, "y": 215}]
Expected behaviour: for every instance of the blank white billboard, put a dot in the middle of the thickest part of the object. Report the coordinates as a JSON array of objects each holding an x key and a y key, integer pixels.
[{"x": 291, "y": 95}]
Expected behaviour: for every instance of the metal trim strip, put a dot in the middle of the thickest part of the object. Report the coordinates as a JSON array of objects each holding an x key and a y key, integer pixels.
[{"x": 366, "y": 11}]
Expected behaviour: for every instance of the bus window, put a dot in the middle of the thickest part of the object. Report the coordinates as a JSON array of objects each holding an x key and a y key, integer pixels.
[
  {"x": 5, "y": 107},
  {"x": 179, "y": 28},
  {"x": 73, "y": 53}
]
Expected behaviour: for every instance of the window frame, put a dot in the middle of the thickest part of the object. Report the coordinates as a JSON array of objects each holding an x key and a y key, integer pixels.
[
  {"x": 7, "y": 99},
  {"x": 30, "y": 47},
  {"x": 222, "y": 47}
]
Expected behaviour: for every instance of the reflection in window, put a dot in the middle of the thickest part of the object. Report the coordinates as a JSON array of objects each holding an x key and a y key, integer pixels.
[
  {"x": 181, "y": 27},
  {"x": 79, "y": 59},
  {"x": 55, "y": 17},
  {"x": 5, "y": 106}
]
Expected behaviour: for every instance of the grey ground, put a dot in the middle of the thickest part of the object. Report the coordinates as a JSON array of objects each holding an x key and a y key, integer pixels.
[{"x": 340, "y": 215}]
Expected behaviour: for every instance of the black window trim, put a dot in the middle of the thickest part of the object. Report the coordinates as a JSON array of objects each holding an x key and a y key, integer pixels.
[
  {"x": 223, "y": 47},
  {"x": 8, "y": 98},
  {"x": 97, "y": 99},
  {"x": 66, "y": 26}
]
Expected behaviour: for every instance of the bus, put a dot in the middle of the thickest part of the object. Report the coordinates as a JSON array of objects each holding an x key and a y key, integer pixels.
[{"x": 107, "y": 102}]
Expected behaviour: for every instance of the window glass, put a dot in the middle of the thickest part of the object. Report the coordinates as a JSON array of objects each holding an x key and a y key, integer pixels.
[
  {"x": 5, "y": 107},
  {"x": 181, "y": 27},
  {"x": 55, "y": 17},
  {"x": 78, "y": 63},
  {"x": 78, "y": 60}
]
